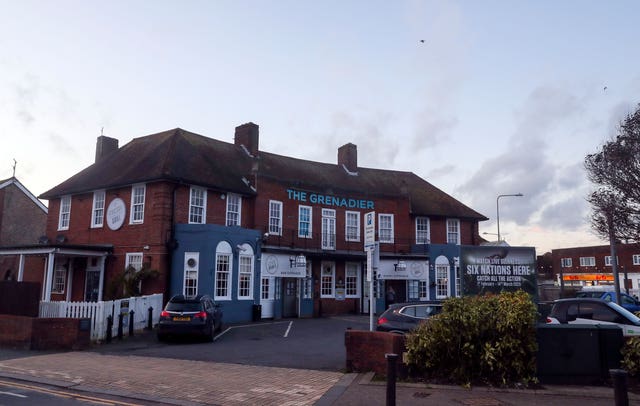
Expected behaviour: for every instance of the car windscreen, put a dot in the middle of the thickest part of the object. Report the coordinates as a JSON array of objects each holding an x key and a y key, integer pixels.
[
  {"x": 183, "y": 307},
  {"x": 635, "y": 319},
  {"x": 595, "y": 295}
]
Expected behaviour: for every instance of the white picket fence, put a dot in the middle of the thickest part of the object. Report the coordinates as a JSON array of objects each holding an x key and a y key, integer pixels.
[{"x": 99, "y": 311}]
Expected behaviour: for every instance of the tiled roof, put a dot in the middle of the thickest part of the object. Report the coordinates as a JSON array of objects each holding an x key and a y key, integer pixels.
[{"x": 179, "y": 155}]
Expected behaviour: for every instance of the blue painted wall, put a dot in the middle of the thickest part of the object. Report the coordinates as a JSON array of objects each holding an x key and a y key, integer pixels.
[
  {"x": 204, "y": 238},
  {"x": 450, "y": 251}
]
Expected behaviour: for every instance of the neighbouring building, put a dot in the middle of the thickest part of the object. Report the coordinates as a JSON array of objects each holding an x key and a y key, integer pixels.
[
  {"x": 266, "y": 235},
  {"x": 586, "y": 266},
  {"x": 22, "y": 221}
]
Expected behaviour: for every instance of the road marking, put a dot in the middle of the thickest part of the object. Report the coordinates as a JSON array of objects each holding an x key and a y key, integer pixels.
[
  {"x": 243, "y": 326},
  {"x": 286, "y": 333},
  {"x": 67, "y": 395},
  {"x": 13, "y": 394}
]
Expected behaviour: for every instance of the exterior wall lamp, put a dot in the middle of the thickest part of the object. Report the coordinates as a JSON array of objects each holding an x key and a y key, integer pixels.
[{"x": 299, "y": 261}]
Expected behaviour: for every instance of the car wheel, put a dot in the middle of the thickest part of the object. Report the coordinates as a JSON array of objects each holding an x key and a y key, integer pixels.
[{"x": 212, "y": 331}]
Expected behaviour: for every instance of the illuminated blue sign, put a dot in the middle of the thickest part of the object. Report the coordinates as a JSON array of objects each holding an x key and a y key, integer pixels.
[{"x": 329, "y": 200}]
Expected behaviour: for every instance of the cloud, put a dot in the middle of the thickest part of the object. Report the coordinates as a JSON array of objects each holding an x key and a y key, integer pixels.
[{"x": 570, "y": 214}]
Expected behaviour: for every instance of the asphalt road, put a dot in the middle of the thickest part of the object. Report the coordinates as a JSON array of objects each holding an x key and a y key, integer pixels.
[{"x": 291, "y": 343}]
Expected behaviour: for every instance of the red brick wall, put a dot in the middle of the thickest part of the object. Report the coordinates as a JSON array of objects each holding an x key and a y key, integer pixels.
[
  {"x": 366, "y": 351},
  {"x": 22, "y": 222},
  {"x": 43, "y": 334}
]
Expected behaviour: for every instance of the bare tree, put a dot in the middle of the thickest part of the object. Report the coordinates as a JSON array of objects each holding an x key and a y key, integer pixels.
[{"x": 615, "y": 174}]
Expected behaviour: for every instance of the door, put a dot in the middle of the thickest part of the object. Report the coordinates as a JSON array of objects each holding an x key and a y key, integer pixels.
[
  {"x": 267, "y": 295},
  {"x": 290, "y": 299},
  {"x": 92, "y": 285}
]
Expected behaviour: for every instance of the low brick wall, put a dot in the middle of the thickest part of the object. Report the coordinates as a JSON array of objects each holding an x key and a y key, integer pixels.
[
  {"x": 32, "y": 333},
  {"x": 366, "y": 351}
]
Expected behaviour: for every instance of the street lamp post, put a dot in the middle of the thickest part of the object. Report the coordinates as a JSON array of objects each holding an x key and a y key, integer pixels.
[{"x": 498, "y": 209}]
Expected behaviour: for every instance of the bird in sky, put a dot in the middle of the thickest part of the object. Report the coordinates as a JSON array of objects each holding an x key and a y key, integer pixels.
[{"x": 422, "y": 41}]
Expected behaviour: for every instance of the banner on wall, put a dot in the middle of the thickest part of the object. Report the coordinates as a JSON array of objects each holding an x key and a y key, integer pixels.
[
  {"x": 496, "y": 269},
  {"x": 282, "y": 266},
  {"x": 404, "y": 269}
]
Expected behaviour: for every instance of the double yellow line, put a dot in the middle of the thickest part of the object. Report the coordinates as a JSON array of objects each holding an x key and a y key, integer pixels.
[{"x": 67, "y": 395}]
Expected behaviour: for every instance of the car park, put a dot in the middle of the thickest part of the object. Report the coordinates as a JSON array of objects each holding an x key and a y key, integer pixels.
[
  {"x": 594, "y": 311},
  {"x": 190, "y": 316},
  {"x": 608, "y": 294},
  {"x": 404, "y": 317}
]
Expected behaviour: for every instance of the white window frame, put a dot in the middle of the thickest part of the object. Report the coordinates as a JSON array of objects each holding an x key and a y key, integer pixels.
[
  {"x": 224, "y": 268},
  {"x": 134, "y": 259},
  {"x": 190, "y": 280},
  {"x": 64, "y": 218},
  {"x": 443, "y": 287},
  {"x": 608, "y": 262},
  {"x": 234, "y": 209},
  {"x": 245, "y": 272},
  {"x": 352, "y": 280},
  {"x": 423, "y": 230},
  {"x": 59, "y": 278},
  {"x": 453, "y": 229},
  {"x": 352, "y": 226},
  {"x": 266, "y": 288},
  {"x": 587, "y": 261},
  {"x": 327, "y": 280},
  {"x": 385, "y": 226},
  {"x": 309, "y": 233},
  {"x": 275, "y": 217},
  {"x": 308, "y": 282},
  {"x": 97, "y": 210},
  {"x": 636, "y": 259},
  {"x": 328, "y": 229},
  {"x": 566, "y": 262},
  {"x": 197, "y": 205},
  {"x": 138, "y": 193}
]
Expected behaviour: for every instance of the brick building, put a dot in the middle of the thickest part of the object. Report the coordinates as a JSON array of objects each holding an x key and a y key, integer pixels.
[
  {"x": 260, "y": 232},
  {"x": 585, "y": 266},
  {"x": 22, "y": 221}
]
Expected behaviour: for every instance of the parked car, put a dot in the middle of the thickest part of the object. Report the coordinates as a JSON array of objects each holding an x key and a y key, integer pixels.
[
  {"x": 594, "y": 311},
  {"x": 608, "y": 294},
  {"x": 404, "y": 317},
  {"x": 198, "y": 315}
]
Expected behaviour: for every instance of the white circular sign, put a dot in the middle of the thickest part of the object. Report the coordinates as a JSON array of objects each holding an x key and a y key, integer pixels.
[{"x": 116, "y": 213}]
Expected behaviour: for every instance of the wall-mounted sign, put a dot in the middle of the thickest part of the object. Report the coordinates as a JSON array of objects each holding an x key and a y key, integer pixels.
[
  {"x": 329, "y": 200},
  {"x": 410, "y": 269},
  {"x": 588, "y": 277},
  {"x": 281, "y": 266},
  {"x": 116, "y": 212}
]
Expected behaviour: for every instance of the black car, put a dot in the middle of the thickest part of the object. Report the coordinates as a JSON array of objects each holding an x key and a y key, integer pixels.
[
  {"x": 403, "y": 317},
  {"x": 198, "y": 315}
]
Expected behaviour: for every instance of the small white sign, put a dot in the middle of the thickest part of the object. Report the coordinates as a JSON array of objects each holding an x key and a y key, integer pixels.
[
  {"x": 116, "y": 213},
  {"x": 369, "y": 230}
]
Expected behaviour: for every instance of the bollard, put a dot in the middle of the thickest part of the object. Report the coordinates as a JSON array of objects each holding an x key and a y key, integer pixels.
[
  {"x": 620, "y": 386},
  {"x": 391, "y": 378},
  {"x": 120, "y": 321},
  {"x": 150, "y": 319},
  {"x": 109, "y": 328},
  {"x": 131, "y": 313}
]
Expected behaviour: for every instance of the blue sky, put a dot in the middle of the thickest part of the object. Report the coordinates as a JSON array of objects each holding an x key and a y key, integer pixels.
[{"x": 501, "y": 97}]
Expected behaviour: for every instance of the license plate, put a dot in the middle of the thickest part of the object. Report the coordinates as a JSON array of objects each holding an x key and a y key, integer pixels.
[{"x": 181, "y": 318}]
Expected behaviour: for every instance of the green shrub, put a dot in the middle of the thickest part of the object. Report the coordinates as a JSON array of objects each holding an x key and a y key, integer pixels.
[
  {"x": 631, "y": 354},
  {"x": 488, "y": 339}
]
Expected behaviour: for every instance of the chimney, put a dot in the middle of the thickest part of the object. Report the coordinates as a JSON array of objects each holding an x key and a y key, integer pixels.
[
  {"x": 105, "y": 146},
  {"x": 348, "y": 156},
  {"x": 247, "y": 135}
]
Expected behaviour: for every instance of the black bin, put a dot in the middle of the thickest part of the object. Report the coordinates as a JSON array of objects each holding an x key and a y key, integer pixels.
[{"x": 257, "y": 312}]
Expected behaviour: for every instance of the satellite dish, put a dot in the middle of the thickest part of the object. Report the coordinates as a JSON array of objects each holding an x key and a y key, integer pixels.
[
  {"x": 61, "y": 239},
  {"x": 43, "y": 239}
]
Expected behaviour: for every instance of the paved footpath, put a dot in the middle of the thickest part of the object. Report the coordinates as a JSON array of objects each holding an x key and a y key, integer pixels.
[{"x": 174, "y": 381}]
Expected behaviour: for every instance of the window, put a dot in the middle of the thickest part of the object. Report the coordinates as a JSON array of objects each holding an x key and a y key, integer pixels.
[
  {"x": 234, "y": 206},
  {"x": 308, "y": 283},
  {"x": 65, "y": 213},
  {"x": 191, "y": 264},
  {"x": 566, "y": 262},
  {"x": 385, "y": 228},
  {"x": 417, "y": 289},
  {"x": 275, "y": 217},
  {"x": 328, "y": 229},
  {"x": 266, "y": 291},
  {"x": 137, "y": 204},
  {"x": 223, "y": 271},
  {"x": 453, "y": 231},
  {"x": 422, "y": 230},
  {"x": 198, "y": 206},
  {"x": 636, "y": 259},
  {"x": 587, "y": 261},
  {"x": 134, "y": 260},
  {"x": 327, "y": 280},
  {"x": 245, "y": 272},
  {"x": 352, "y": 226},
  {"x": 304, "y": 222},
  {"x": 458, "y": 285},
  {"x": 59, "y": 278},
  {"x": 352, "y": 280},
  {"x": 442, "y": 277},
  {"x": 608, "y": 262},
  {"x": 97, "y": 213}
]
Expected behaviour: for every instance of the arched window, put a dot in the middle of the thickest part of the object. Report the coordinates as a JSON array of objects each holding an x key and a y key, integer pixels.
[
  {"x": 224, "y": 258},
  {"x": 442, "y": 277},
  {"x": 245, "y": 271}
]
